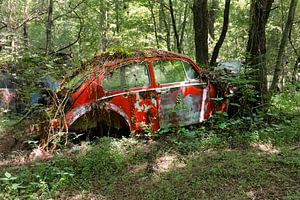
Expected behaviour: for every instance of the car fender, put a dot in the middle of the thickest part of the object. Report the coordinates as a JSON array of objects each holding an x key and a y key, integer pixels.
[
  {"x": 76, "y": 113},
  {"x": 119, "y": 111},
  {"x": 80, "y": 111}
]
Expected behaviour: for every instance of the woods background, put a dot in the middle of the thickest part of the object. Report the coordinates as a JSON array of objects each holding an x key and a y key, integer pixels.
[
  {"x": 252, "y": 155},
  {"x": 39, "y": 37}
]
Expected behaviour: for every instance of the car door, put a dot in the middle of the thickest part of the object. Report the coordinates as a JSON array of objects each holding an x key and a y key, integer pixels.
[
  {"x": 181, "y": 95},
  {"x": 131, "y": 93}
]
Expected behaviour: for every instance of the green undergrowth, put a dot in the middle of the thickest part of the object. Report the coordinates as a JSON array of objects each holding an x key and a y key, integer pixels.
[
  {"x": 128, "y": 169},
  {"x": 247, "y": 158},
  {"x": 7, "y": 123}
]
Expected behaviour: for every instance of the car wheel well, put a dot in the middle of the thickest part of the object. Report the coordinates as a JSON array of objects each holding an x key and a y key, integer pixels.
[{"x": 104, "y": 122}]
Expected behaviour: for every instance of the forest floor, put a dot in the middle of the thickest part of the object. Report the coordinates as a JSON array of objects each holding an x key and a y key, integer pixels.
[{"x": 236, "y": 159}]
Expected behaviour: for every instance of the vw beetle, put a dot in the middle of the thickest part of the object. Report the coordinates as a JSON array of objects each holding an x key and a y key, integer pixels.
[{"x": 145, "y": 89}]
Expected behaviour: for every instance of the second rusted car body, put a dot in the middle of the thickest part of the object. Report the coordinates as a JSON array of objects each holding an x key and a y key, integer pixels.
[{"x": 151, "y": 89}]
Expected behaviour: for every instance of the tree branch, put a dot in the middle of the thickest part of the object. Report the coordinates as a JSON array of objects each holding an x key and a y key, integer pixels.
[
  {"x": 29, "y": 19},
  {"x": 223, "y": 34},
  {"x": 78, "y": 35},
  {"x": 164, "y": 5},
  {"x": 292, "y": 44},
  {"x": 69, "y": 11}
]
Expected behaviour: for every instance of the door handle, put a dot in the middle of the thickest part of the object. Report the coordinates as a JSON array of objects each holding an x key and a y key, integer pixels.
[{"x": 163, "y": 91}]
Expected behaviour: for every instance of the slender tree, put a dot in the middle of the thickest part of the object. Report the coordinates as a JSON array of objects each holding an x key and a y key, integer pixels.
[
  {"x": 212, "y": 17},
  {"x": 117, "y": 10},
  {"x": 296, "y": 69},
  {"x": 223, "y": 34},
  {"x": 49, "y": 27},
  {"x": 176, "y": 35},
  {"x": 200, "y": 15},
  {"x": 25, "y": 26},
  {"x": 297, "y": 62},
  {"x": 154, "y": 22},
  {"x": 104, "y": 32},
  {"x": 256, "y": 46},
  {"x": 166, "y": 24},
  {"x": 284, "y": 38},
  {"x": 183, "y": 27}
]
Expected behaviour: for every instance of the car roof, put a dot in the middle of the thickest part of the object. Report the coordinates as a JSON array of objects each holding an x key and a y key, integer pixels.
[
  {"x": 111, "y": 59},
  {"x": 118, "y": 56}
]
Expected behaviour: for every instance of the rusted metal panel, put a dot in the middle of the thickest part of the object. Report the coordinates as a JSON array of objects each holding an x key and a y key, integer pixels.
[{"x": 183, "y": 105}]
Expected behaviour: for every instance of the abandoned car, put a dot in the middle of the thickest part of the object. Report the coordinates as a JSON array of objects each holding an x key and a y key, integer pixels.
[
  {"x": 9, "y": 99},
  {"x": 147, "y": 89}
]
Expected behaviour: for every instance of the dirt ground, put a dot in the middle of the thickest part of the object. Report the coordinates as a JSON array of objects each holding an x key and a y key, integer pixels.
[{"x": 16, "y": 141}]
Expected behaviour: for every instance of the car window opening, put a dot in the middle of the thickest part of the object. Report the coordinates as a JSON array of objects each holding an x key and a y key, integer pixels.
[{"x": 128, "y": 76}]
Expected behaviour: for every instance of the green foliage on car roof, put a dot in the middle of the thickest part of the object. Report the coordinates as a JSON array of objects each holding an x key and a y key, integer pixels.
[{"x": 110, "y": 56}]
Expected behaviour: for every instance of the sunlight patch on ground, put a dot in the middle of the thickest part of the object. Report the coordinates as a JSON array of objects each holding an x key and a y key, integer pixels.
[
  {"x": 167, "y": 162},
  {"x": 83, "y": 195},
  {"x": 267, "y": 148},
  {"x": 211, "y": 151},
  {"x": 250, "y": 194},
  {"x": 124, "y": 145},
  {"x": 162, "y": 164},
  {"x": 138, "y": 168}
]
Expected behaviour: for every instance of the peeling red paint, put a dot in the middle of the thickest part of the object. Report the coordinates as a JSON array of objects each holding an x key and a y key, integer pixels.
[{"x": 151, "y": 104}]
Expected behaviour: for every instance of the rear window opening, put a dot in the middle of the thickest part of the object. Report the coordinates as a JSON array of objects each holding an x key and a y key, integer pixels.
[{"x": 128, "y": 76}]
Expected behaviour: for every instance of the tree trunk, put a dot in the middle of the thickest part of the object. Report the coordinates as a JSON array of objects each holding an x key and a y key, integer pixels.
[
  {"x": 166, "y": 26},
  {"x": 117, "y": 7},
  {"x": 49, "y": 27},
  {"x": 223, "y": 34},
  {"x": 296, "y": 70},
  {"x": 200, "y": 14},
  {"x": 183, "y": 26},
  {"x": 104, "y": 39},
  {"x": 177, "y": 40},
  {"x": 154, "y": 23},
  {"x": 10, "y": 26},
  {"x": 160, "y": 15},
  {"x": 25, "y": 35},
  {"x": 25, "y": 27},
  {"x": 256, "y": 47},
  {"x": 285, "y": 34},
  {"x": 297, "y": 63},
  {"x": 212, "y": 17},
  {"x": 168, "y": 34}
]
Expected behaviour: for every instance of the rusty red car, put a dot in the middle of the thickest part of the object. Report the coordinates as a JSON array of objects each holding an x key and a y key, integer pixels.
[{"x": 148, "y": 89}]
